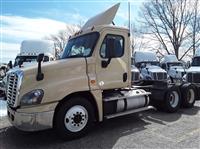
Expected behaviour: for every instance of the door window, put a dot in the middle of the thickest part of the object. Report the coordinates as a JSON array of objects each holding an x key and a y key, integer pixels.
[{"x": 118, "y": 46}]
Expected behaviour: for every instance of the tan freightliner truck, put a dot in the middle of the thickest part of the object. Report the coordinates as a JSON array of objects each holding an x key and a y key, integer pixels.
[{"x": 91, "y": 82}]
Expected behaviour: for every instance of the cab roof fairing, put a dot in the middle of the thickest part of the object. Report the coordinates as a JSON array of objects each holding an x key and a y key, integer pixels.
[{"x": 104, "y": 18}]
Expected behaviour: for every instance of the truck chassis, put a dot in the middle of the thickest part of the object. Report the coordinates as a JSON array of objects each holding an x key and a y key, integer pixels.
[{"x": 170, "y": 97}]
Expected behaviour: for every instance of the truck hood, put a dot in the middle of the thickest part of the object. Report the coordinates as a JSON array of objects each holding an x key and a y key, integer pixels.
[
  {"x": 53, "y": 66},
  {"x": 60, "y": 77},
  {"x": 193, "y": 69},
  {"x": 154, "y": 69}
]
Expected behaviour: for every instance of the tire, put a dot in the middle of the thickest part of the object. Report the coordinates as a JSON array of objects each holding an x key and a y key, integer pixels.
[
  {"x": 157, "y": 104},
  {"x": 74, "y": 118},
  {"x": 188, "y": 95},
  {"x": 172, "y": 100}
]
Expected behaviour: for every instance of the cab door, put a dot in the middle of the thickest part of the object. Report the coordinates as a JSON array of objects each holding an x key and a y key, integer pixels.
[{"x": 112, "y": 61}]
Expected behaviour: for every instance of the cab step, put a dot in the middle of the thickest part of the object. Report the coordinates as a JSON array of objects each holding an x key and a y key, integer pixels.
[{"x": 129, "y": 112}]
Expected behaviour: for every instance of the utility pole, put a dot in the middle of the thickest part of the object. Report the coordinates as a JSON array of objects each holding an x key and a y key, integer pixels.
[{"x": 129, "y": 15}]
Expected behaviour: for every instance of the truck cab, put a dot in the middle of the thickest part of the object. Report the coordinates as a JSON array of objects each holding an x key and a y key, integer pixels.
[
  {"x": 91, "y": 82},
  {"x": 149, "y": 66},
  {"x": 193, "y": 73},
  {"x": 174, "y": 68}
]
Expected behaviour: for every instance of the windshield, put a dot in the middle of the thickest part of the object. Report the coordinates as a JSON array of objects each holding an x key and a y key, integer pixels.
[
  {"x": 81, "y": 46},
  {"x": 175, "y": 64},
  {"x": 144, "y": 64},
  {"x": 196, "y": 61},
  {"x": 28, "y": 59}
]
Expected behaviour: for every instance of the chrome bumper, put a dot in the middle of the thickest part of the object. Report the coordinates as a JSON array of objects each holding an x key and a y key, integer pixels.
[{"x": 30, "y": 121}]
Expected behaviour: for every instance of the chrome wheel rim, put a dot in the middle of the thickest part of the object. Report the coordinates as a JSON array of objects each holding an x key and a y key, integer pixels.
[
  {"x": 190, "y": 96},
  {"x": 76, "y": 118},
  {"x": 174, "y": 98}
]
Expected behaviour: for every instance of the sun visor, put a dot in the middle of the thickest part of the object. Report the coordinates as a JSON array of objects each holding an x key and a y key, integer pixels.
[{"x": 104, "y": 18}]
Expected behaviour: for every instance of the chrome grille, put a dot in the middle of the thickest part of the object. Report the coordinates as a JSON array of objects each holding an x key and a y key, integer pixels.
[
  {"x": 193, "y": 77},
  {"x": 196, "y": 77},
  {"x": 12, "y": 89},
  {"x": 160, "y": 76}
]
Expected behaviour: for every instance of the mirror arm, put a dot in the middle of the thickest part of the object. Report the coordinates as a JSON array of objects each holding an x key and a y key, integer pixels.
[{"x": 40, "y": 75}]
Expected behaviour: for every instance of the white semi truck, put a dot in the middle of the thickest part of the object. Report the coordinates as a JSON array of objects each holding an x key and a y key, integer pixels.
[
  {"x": 90, "y": 83},
  {"x": 193, "y": 73},
  {"x": 149, "y": 66},
  {"x": 30, "y": 49},
  {"x": 174, "y": 68}
]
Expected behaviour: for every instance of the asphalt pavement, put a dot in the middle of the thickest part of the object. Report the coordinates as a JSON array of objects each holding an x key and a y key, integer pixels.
[{"x": 149, "y": 129}]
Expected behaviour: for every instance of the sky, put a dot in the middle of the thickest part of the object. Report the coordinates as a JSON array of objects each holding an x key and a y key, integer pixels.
[{"x": 36, "y": 19}]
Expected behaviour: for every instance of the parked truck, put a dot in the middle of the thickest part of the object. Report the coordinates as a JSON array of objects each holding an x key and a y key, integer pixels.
[
  {"x": 193, "y": 73},
  {"x": 90, "y": 83},
  {"x": 30, "y": 49},
  {"x": 149, "y": 66},
  {"x": 174, "y": 68}
]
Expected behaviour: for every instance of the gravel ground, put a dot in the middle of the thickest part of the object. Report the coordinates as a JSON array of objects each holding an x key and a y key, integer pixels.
[{"x": 149, "y": 129}]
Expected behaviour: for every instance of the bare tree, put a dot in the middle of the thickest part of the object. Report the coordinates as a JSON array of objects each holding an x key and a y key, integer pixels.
[
  {"x": 60, "y": 39},
  {"x": 167, "y": 22},
  {"x": 138, "y": 41},
  {"x": 195, "y": 26}
]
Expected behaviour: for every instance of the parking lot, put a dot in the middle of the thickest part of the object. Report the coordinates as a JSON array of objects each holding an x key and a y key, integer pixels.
[{"x": 150, "y": 129}]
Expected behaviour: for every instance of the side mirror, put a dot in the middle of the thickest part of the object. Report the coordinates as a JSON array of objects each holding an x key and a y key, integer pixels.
[
  {"x": 20, "y": 63},
  {"x": 110, "y": 53},
  {"x": 188, "y": 64},
  {"x": 40, "y": 57},
  {"x": 40, "y": 75},
  {"x": 163, "y": 66},
  {"x": 10, "y": 65},
  {"x": 110, "y": 48}
]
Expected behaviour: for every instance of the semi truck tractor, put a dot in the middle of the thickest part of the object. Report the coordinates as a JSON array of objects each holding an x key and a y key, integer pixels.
[
  {"x": 90, "y": 83},
  {"x": 149, "y": 66},
  {"x": 174, "y": 68},
  {"x": 30, "y": 49},
  {"x": 193, "y": 73},
  {"x": 152, "y": 74}
]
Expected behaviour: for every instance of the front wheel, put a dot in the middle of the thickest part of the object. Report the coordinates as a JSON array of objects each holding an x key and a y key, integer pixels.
[
  {"x": 188, "y": 96},
  {"x": 172, "y": 100},
  {"x": 74, "y": 118}
]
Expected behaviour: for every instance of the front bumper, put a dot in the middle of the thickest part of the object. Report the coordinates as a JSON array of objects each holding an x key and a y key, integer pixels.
[{"x": 31, "y": 121}]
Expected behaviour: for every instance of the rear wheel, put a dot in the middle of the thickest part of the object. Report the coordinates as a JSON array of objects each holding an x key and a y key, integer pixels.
[
  {"x": 74, "y": 118},
  {"x": 188, "y": 95},
  {"x": 172, "y": 100}
]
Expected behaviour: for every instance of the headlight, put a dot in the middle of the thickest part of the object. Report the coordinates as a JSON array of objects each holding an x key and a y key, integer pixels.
[{"x": 33, "y": 97}]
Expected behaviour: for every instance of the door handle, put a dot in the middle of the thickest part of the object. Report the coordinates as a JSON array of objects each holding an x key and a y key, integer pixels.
[{"x": 125, "y": 76}]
